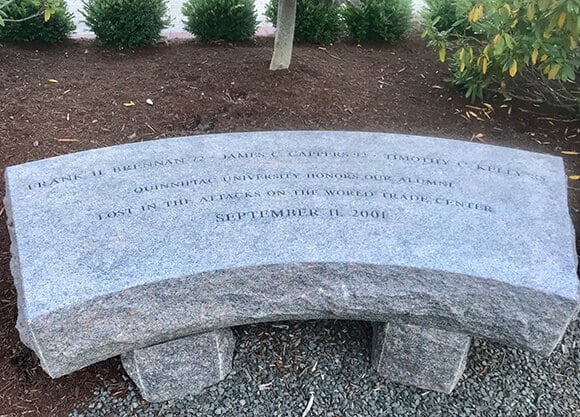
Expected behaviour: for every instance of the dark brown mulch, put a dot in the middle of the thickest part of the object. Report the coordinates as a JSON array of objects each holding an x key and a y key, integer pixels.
[{"x": 199, "y": 89}]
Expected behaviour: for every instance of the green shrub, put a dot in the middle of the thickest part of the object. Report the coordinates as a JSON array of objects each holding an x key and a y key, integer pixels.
[
  {"x": 54, "y": 30},
  {"x": 535, "y": 41},
  {"x": 447, "y": 15},
  {"x": 445, "y": 11},
  {"x": 212, "y": 20},
  {"x": 379, "y": 20},
  {"x": 316, "y": 21},
  {"x": 126, "y": 23}
]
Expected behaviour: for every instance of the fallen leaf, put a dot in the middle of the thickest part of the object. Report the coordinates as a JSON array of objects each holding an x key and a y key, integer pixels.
[
  {"x": 570, "y": 153},
  {"x": 438, "y": 87},
  {"x": 67, "y": 140},
  {"x": 52, "y": 80},
  {"x": 574, "y": 177},
  {"x": 129, "y": 104}
]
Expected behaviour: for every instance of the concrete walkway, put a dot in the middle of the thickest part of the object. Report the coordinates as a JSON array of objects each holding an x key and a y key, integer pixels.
[{"x": 176, "y": 26}]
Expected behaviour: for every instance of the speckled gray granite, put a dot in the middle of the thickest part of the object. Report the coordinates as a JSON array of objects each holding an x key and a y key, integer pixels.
[
  {"x": 124, "y": 247},
  {"x": 188, "y": 365},
  {"x": 432, "y": 359}
]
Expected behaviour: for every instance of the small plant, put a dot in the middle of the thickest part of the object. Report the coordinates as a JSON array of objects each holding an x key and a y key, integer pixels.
[
  {"x": 28, "y": 20},
  {"x": 228, "y": 20},
  {"x": 379, "y": 20},
  {"x": 525, "y": 48},
  {"x": 316, "y": 21},
  {"x": 126, "y": 23}
]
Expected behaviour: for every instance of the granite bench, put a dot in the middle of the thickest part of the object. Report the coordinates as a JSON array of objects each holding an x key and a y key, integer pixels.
[{"x": 149, "y": 249}]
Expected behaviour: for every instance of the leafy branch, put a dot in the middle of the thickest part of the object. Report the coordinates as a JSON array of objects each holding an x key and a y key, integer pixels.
[{"x": 45, "y": 7}]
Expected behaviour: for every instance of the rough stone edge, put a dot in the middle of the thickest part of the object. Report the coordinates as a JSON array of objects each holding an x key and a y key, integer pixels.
[
  {"x": 128, "y": 362},
  {"x": 220, "y": 336},
  {"x": 94, "y": 338},
  {"x": 23, "y": 324}
]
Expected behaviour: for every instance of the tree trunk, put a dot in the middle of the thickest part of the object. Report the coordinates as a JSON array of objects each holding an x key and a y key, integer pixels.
[{"x": 284, "y": 35}]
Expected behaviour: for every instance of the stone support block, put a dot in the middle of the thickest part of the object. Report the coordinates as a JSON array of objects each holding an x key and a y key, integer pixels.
[
  {"x": 174, "y": 369},
  {"x": 427, "y": 358}
]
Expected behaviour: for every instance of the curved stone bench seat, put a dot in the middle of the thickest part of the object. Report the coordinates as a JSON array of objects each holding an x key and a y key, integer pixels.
[{"x": 124, "y": 247}]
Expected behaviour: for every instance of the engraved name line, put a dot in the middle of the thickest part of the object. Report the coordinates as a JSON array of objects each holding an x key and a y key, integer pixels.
[{"x": 172, "y": 162}]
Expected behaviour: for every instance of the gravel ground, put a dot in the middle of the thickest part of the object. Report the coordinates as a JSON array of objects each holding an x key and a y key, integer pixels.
[{"x": 280, "y": 368}]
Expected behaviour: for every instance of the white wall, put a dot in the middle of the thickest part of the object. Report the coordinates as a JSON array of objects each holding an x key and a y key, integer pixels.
[{"x": 177, "y": 17}]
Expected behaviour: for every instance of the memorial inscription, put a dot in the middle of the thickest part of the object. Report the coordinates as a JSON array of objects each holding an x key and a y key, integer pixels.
[
  {"x": 266, "y": 193},
  {"x": 121, "y": 248}
]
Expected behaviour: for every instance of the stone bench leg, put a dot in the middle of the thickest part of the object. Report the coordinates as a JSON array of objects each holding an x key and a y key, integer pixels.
[
  {"x": 174, "y": 369},
  {"x": 427, "y": 358}
]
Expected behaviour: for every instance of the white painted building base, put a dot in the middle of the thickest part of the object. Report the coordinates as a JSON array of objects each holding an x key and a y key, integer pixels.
[{"x": 176, "y": 27}]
